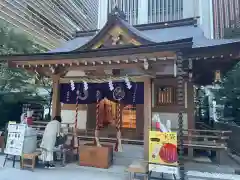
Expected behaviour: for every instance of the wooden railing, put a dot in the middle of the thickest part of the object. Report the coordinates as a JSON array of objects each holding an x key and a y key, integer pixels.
[
  {"x": 202, "y": 125},
  {"x": 232, "y": 142},
  {"x": 192, "y": 137},
  {"x": 214, "y": 140},
  {"x": 41, "y": 125}
]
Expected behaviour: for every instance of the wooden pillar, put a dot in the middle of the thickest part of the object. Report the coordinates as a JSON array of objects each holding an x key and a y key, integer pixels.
[
  {"x": 190, "y": 115},
  {"x": 56, "y": 105},
  {"x": 147, "y": 115},
  {"x": 140, "y": 120},
  {"x": 190, "y": 107}
]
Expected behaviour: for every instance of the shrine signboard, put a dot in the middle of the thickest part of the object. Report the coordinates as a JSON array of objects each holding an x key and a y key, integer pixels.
[
  {"x": 163, "y": 152},
  {"x": 15, "y": 139}
]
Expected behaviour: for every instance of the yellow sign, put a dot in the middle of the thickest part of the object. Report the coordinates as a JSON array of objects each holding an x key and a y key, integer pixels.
[{"x": 163, "y": 148}]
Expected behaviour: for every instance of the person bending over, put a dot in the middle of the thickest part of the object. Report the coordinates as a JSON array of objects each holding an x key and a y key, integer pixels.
[{"x": 52, "y": 131}]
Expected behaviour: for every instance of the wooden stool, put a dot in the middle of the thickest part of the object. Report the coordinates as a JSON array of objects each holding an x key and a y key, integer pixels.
[
  {"x": 32, "y": 157},
  {"x": 138, "y": 167}
]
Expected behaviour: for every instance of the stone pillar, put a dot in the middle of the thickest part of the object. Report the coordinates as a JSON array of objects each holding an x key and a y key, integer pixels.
[
  {"x": 56, "y": 105},
  {"x": 147, "y": 115}
]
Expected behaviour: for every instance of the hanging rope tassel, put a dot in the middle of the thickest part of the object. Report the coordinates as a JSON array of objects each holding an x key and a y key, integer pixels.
[
  {"x": 118, "y": 145},
  {"x": 76, "y": 121},
  {"x": 97, "y": 129}
]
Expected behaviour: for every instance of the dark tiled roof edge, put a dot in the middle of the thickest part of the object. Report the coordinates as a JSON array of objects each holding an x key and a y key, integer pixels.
[
  {"x": 86, "y": 33},
  {"x": 142, "y": 27},
  {"x": 167, "y": 24}
]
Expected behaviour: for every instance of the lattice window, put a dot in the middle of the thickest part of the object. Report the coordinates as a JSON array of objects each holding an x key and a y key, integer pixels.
[
  {"x": 166, "y": 95},
  {"x": 129, "y": 117},
  {"x": 128, "y": 114}
]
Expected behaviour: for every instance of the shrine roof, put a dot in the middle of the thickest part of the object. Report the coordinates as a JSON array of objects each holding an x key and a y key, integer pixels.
[
  {"x": 121, "y": 41},
  {"x": 156, "y": 33}
]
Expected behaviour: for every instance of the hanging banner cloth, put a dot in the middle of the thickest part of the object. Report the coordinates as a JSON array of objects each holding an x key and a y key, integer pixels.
[{"x": 67, "y": 96}]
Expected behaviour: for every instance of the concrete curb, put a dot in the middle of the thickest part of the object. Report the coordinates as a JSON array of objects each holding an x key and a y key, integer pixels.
[{"x": 221, "y": 176}]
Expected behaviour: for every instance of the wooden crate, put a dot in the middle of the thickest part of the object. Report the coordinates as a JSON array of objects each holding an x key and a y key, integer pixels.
[{"x": 99, "y": 157}]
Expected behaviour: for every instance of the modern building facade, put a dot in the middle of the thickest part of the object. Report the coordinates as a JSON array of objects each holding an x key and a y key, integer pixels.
[
  {"x": 215, "y": 16},
  {"x": 226, "y": 14},
  {"x": 149, "y": 11},
  {"x": 218, "y": 15},
  {"x": 51, "y": 22}
]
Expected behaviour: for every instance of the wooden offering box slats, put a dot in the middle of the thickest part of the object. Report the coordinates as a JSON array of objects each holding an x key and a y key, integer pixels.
[{"x": 93, "y": 156}]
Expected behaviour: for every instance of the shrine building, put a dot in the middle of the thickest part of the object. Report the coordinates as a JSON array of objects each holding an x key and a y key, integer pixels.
[{"x": 162, "y": 61}]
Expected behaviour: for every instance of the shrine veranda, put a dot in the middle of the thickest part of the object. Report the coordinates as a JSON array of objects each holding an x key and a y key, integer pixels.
[{"x": 164, "y": 60}]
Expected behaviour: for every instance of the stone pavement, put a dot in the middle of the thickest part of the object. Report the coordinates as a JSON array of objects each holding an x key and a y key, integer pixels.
[
  {"x": 75, "y": 172},
  {"x": 67, "y": 173}
]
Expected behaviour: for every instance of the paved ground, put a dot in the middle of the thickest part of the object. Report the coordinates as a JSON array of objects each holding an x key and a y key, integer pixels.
[{"x": 74, "y": 172}]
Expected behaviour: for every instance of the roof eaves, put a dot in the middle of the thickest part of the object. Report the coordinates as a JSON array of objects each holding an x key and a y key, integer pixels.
[
  {"x": 219, "y": 49},
  {"x": 164, "y": 46}
]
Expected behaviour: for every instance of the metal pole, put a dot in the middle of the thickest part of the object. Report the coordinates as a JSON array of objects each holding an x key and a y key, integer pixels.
[{"x": 180, "y": 100}]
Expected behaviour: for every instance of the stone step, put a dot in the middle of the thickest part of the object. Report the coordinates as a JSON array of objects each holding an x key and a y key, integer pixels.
[
  {"x": 130, "y": 151},
  {"x": 128, "y": 154},
  {"x": 124, "y": 161}
]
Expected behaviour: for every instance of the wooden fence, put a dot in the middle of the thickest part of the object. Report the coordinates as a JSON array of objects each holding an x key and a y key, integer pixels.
[
  {"x": 194, "y": 139},
  {"x": 234, "y": 138}
]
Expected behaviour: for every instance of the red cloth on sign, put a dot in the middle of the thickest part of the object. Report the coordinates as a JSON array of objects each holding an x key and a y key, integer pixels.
[
  {"x": 168, "y": 153},
  {"x": 29, "y": 121}
]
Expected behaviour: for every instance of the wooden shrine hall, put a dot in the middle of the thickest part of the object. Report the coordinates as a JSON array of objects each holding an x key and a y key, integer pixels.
[{"x": 129, "y": 74}]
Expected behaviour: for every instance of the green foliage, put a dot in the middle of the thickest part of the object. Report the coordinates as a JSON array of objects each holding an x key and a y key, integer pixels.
[
  {"x": 13, "y": 42},
  {"x": 16, "y": 85},
  {"x": 229, "y": 94},
  {"x": 11, "y": 105}
]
